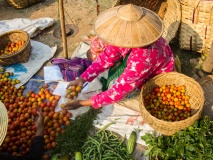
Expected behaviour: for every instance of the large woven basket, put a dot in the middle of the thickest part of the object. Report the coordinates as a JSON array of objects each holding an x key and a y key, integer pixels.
[
  {"x": 169, "y": 11},
  {"x": 3, "y": 122},
  {"x": 19, "y": 4},
  {"x": 196, "y": 29},
  {"x": 193, "y": 89},
  {"x": 20, "y": 56}
]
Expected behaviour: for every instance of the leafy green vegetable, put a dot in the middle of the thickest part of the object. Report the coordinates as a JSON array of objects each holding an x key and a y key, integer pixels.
[
  {"x": 192, "y": 143},
  {"x": 76, "y": 133}
]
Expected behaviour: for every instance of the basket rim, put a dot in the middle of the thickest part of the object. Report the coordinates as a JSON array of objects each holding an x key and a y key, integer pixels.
[
  {"x": 175, "y": 122},
  {"x": 25, "y": 44}
]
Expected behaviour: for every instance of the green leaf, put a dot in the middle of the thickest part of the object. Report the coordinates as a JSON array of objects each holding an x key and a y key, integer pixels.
[
  {"x": 195, "y": 125},
  {"x": 187, "y": 138},
  {"x": 180, "y": 133},
  {"x": 148, "y": 150},
  {"x": 201, "y": 145},
  {"x": 190, "y": 148},
  {"x": 146, "y": 137},
  {"x": 170, "y": 152},
  {"x": 188, "y": 154},
  {"x": 157, "y": 151}
]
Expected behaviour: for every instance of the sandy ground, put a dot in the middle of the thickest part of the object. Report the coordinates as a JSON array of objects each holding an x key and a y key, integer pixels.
[{"x": 81, "y": 13}]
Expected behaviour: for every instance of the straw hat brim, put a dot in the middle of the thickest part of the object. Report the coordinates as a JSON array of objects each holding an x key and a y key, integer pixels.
[
  {"x": 3, "y": 122},
  {"x": 118, "y": 31}
]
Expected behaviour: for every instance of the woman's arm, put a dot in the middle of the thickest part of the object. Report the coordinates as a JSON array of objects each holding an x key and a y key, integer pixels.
[
  {"x": 135, "y": 73},
  {"x": 105, "y": 60}
]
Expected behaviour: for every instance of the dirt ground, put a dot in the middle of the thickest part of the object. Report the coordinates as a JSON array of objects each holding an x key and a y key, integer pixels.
[{"x": 81, "y": 13}]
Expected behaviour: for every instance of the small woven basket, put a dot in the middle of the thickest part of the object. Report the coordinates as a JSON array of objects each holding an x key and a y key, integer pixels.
[
  {"x": 20, "y": 56},
  {"x": 196, "y": 29},
  {"x": 19, "y": 4},
  {"x": 169, "y": 11},
  {"x": 193, "y": 89}
]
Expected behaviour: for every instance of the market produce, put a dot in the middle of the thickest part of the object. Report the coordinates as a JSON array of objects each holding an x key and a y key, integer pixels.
[
  {"x": 75, "y": 135},
  {"x": 78, "y": 156},
  {"x": 131, "y": 142},
  {"x": 105, "y": 145},
  {"x": 57, "y": 157},
  {"x": 73, "y": 91},
  {"x": 194, "y": 142},
  {"x": 21, "y": 108},
  {"x": 168, "y": 102},
  {"x": 12, "y": 47}
]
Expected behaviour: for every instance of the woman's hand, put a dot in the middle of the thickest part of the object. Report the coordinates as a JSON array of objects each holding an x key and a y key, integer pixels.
[
  {"x": 39, "y": 123},
  {"x": 78, "y": 82},
  {"x": 72, "y": 105},
  {"x": 75, "y": 104}
]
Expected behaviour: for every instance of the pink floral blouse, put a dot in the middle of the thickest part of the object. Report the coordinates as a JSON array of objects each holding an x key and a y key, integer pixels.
[{"x": 142, "y": 64}]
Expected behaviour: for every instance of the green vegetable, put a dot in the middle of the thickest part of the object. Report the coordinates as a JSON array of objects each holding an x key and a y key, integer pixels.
[
  {"x": 78, "y": 156},
  {"x": 131, "y": 142},
  {"x": 54, "y": 157},
  {"x": 65, "y": 157},
  {"x": 75, "y": 134},
  {"x": 192, "y": 143},
  {"x": 105, "y": 145}
]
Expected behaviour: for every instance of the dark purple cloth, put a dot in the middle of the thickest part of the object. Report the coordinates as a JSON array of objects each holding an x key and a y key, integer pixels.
[{"x": 72, "y": 68}]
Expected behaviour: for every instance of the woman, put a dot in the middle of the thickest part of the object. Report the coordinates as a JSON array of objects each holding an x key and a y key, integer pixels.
[{"x": 133, "y": 35}]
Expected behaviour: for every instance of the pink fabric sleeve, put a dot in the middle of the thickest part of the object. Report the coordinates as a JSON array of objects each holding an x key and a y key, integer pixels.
[
  {"x": 105, "y": 60},
  {"x": 133, "y": 76},
  {"x": 142, "y": 64}
]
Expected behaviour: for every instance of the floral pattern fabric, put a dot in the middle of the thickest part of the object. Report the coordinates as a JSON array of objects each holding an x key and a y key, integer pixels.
[{"x": 142, "y": 64}]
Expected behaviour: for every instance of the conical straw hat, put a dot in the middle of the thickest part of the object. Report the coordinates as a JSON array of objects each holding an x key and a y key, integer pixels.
[
  {"x": 3, "y": 122},
  {"x": 128, "y": 26}
]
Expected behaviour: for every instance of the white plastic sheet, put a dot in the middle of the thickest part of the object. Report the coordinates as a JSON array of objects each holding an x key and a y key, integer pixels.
[{"x": 32, "y": 27}]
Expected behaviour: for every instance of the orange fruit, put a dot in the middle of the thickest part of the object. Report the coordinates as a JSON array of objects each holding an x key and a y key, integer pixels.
[
  {"x": 65, "y": 119},
  {"x": 48, "y": 96},
  {"x": 69, "y": 115},
  {"x": 78, "y": 88},
  {"x": 67, "y": 123},
  {"x": 53, "y": 144},
  {"x": 56, "y": 125},
  {"x": 64, "y": 112},
  {"x": 49, "y": 146}
]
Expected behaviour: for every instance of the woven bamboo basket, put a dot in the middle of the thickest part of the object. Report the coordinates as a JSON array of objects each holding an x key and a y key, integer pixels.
[
  {"x": 169, "y": 11},
  {"x": 193, "y": 89},
  {"x": 20, "y": 56},
  {"x": 196, "y": 29},
  {"x": 3, "y": 122},
  {"x": 19, "y": 4}
]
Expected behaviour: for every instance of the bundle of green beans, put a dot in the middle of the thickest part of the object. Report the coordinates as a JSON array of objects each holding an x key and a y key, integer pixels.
[{"x": 105, "y": 145}]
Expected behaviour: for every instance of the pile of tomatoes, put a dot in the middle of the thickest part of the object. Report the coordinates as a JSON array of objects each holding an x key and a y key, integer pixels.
[
  {"x": 12, "y": 47},
  {"x": 21, "y": 109},
  {"x": 168, "y": 102}
]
